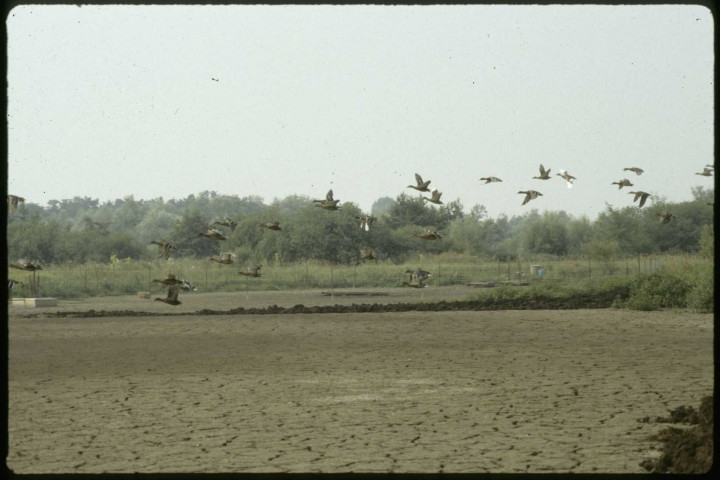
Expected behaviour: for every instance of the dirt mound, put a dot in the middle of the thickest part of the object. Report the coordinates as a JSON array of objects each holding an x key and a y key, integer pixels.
[{"x": 685, "y": 450}]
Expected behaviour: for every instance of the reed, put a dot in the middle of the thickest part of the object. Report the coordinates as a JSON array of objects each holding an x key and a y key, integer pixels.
[{"x": 122, "y": 277}]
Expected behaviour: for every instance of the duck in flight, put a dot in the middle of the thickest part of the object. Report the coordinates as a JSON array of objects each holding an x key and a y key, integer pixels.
[
  {"x": 329, "y": 203},
  {"x": 172, "y": 296},
  {"x": 622, "y": 183},
  {"x": 567, "y": 177},
  {"x": 637, "y": 170},
  {"x": 435, "y": 198},
  {"x": 13, "y": 201},
  {"x": 490, "y": 180},
  {"x": 164, "y": 248},
  {"x": 367, "y": 254},
  {"x": 251, "y": 271},
  {"x": 271, "y": 225},
  {"x": 428, "y": 235},
  {"x": 366, "y": 221},
  {"x": 27, "y": 266},
  {"x": 530, "y": 195},
  {"x": 665, "y": 217},
  {"x": 227, "y": 223},
  {"x": 225, "y": 259},
  {"x": 544, "y": 174},
  {"x": 643, "y": 196},
  {"x": 214, "y": 234},
  {"x": 170, "y": 280},
  {"x": 420, "y": 186}
]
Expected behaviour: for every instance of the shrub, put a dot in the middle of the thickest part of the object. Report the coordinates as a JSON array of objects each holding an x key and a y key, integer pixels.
[
  {"x": 701, "y": 296},
  {"x": 658, "y": 290}
]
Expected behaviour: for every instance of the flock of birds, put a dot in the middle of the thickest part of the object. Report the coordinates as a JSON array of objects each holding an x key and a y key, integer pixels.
[{"x": 417, "y": 277}]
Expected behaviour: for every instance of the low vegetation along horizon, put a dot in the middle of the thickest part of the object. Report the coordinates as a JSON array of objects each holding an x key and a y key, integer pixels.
[{"x": 640, "y": 283}]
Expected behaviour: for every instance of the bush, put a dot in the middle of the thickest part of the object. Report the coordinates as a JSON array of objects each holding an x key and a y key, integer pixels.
[
  {"x": 701, "y": 296},
  {"x": 644, "y": 301},
  {"x": 658, "y": 290}
]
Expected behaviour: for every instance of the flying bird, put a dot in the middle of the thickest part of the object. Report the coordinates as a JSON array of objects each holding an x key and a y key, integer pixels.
[
  {"x": 164, "y": 248},
  {"x": 418, "y": 274},
  {"x": 428, "y": 235},
  {"x": 707, "y": 172},
  {"x": 328, "y": 198},
  {"x": 367, "y": 254},
  {"x": 567, "y": 177},
  {"x": 420, "y": 185},
  {"x": 27, "y": 266},
  {"x": 227, "y": 223},
  {"x": 435, "y": 198},
  {"x": 530, "y": 195},
  {"x": 169, "y": 281},
  {"x": 271, "y": 225},
  {"x": 11, "y": 284},
  {"x": 622, "y": 183},
  {"x": 637, "y": 170},
  {"x": 490, "y": 180},
  {"x": 251, "y": 271},
  {"x": 544, "y": 174},
  {"x": 329, "y": 203},
  {"x": 643, "y": 196},
  {"x": 172, "y": 296},
  {"x": 665, "y": 217},
  {"x": 366, "y": 221},
  {"x": 329, "y": 206},
  {"x": 214, "y": 234},
  {"x": 225, "y": 258},
  {"x": 13, "y": 201},
  {"x": 185, "y": 285}
]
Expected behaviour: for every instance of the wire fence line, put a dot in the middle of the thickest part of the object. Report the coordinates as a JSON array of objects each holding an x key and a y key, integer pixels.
[{"x": 128, "y": 277}]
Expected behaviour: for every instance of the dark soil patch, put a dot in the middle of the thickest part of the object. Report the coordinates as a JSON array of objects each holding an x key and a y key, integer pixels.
[
  {"x": 685, "y": 450},
  {"x": 580, "y": 301}
]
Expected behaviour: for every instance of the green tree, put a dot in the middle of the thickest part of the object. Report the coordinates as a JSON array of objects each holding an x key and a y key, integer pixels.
[
  {"x": 626, "y": 226},
  {"x": 546, "y": 233},
  {"x": 382, "y": 206},
  {"x": 187, "y": 239}
]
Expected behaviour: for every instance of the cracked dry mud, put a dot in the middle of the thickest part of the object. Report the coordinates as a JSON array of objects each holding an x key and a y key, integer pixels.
[{"x": 484, "y": 391}]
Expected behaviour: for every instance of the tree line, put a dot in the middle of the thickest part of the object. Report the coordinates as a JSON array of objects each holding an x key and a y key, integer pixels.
[{"x": 82, "y": 229}]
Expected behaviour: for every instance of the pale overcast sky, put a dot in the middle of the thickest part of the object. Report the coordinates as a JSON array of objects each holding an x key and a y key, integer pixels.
[{"x": 167, "y": 101}]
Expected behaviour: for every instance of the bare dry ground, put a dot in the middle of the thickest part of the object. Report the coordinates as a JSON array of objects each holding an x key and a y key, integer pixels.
[{"x": 491, "y": 391}]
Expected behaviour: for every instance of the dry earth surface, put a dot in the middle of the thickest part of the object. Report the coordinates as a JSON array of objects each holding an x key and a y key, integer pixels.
[{"x": 490, "y": 391}]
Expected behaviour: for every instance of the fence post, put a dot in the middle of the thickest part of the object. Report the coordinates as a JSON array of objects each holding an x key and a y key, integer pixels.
[
  {"x": 589, "y": 268},
  {"x": 627, "y": 267},
  {"x": 332, "y": 283},
  {"x": 439, "y": 275}
]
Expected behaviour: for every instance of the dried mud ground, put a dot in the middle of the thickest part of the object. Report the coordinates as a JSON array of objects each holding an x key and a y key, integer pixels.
[{"x": 489, "y": 391}]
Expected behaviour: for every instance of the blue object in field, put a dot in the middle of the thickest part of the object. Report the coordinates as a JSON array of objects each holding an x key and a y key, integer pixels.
[{"x": 541, "y": 272}]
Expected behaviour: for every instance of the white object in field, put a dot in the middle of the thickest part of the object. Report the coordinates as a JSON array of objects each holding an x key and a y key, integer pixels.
[{"x": 35, "y": 302}]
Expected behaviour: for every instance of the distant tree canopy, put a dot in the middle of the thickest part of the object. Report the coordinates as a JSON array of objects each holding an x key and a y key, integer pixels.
[{"x": 82, "y": 229}]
